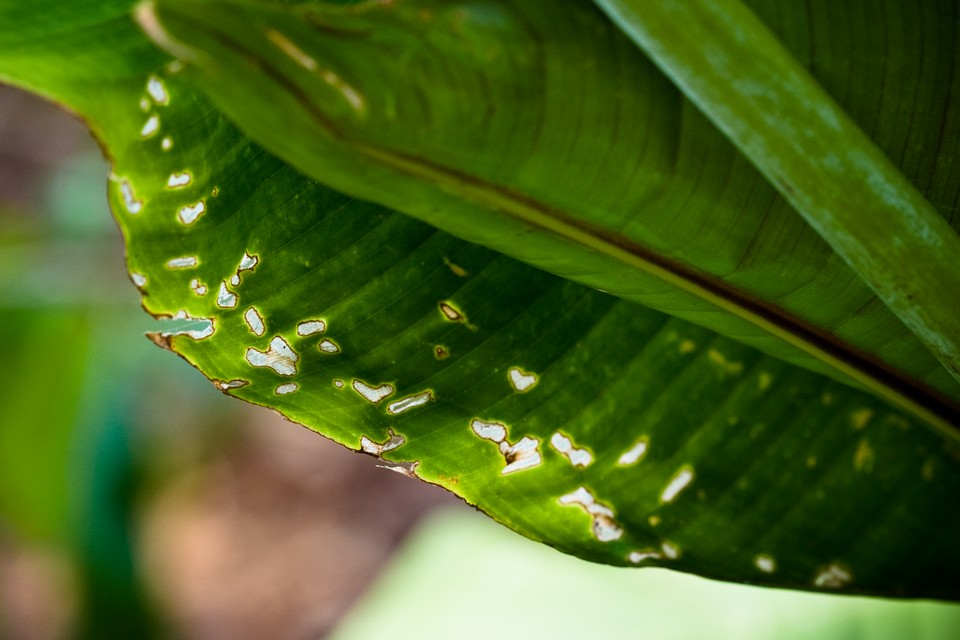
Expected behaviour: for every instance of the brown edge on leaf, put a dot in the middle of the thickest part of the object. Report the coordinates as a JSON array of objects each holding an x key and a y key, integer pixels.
[{"x": 160, "y": 339}]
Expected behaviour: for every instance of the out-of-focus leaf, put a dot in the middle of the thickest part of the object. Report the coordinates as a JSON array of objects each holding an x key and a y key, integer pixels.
[
  {"x": 68, "y": 480},
  {"x": 737, "y": 72},
  {"x": 42, "y": 383}
]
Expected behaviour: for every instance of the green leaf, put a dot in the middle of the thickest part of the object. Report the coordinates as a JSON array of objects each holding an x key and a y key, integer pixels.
[
  {"x": 547, "y": 136},
  {"x": 606, "y": 429},
  {"x": 455, "y": 560},
  {"x": 730, "y": 65}
]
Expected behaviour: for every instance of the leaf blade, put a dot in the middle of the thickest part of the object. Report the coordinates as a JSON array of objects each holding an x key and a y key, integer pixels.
[{"x": 490, "y": 209}]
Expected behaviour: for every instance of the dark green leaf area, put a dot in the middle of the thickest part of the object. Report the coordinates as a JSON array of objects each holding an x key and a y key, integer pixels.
[
  {"x": 595, "y": 425},
  {"x": 548, "y": 136}
]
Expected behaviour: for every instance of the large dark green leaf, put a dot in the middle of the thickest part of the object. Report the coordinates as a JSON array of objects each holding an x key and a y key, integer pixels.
[
  {"x": 548, "y": 136},
  {"x": 737, "y": 72},
  {"x": 652, "y": 440}
]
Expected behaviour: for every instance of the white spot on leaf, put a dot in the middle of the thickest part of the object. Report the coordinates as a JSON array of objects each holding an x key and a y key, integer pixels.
[
  {"x": 200, "y": 334},
  {"x": 247, "y": 262},
  {"x": 521, "y": 380},
  {"x": 680, "y": 481},
  {"x": 198, "y": 287},
  {"x": 524, "y": 454},
  {"x": 197, "y": 329},
  {"x": 183, "y": 262},
  {"x": 564, "y": 445},
  {"x": 373, "y": 394},
  {"x": 255, "y": 321},
  {"x": 378, "y": 448},
  {"x": 765, "y": 563},
  {"x": 189, "y": 213},
  {"x": 493, "y": 431},
  {"x": 167, "y": 143},
  {"x": 130, "y": 202},
  {"x": 328, "y": 346},
  {"x": 634, "y": 454},
  {"x": 410, "y": 402},
  {"x": 139, "y": 279},
  {"x": 179, "y": 180},
  {"x": 286, "y": 389},
  {"x": 157, "y": 90},
  {"x": 280, "y": 357},
  {"x": 408, "y": 469},
  {"x": 310, "y": 327},
  {"x": 636, "y": 557},
  {"x": 604, "y": 527},
  {"x": 226, "y": 299},
  {"x": 670, "y": 550},
  {"x": 451, "y": 313},
  {"x": 150, "y": 127},
  {"x": 833, "y": 576},
  {"x": 231, "y": 384}
]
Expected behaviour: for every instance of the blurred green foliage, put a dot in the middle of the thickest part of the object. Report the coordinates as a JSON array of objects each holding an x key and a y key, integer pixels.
[{"x": 76, "y": 431}]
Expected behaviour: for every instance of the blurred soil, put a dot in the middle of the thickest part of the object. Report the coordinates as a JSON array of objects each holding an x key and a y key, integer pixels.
[{"x": 279, "y": 537}]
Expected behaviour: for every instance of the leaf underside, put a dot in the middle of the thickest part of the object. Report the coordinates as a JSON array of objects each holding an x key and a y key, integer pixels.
[
  {"x": 609, "y": 430},
  {"x": 421, "y": 107}
]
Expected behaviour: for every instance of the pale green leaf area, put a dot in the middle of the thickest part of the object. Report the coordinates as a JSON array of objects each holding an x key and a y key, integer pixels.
[
  {"x": 479, "y": 582},
  {"x": 580, "y": 419}
]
